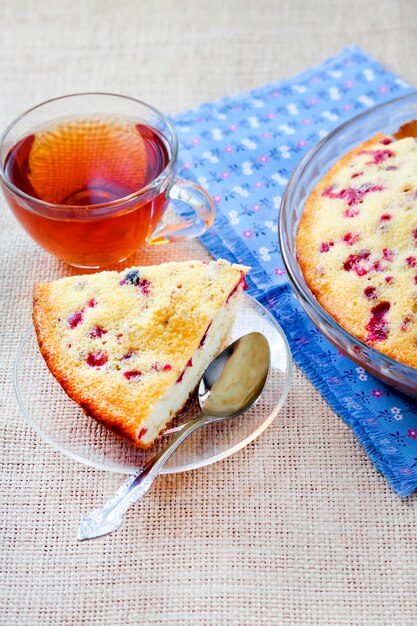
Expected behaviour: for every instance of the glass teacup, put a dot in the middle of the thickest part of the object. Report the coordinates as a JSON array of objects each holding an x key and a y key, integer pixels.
[{"x": 89, "y": 176}]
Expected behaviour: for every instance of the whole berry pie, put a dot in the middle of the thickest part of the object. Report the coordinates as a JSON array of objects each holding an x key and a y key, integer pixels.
[
  {"x": 130, "y": 347},
  {"x": 357, "y": 243}
]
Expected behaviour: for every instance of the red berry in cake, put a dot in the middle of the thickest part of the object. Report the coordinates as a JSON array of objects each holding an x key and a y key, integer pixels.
[
  {"x": 379, "y": 156},
  {"x": 411, "y": 261},
  {"x": 384, "y": 221},
  {"x": 160, "y": 367},
  {"x": 242, "y": 283},
  {"x": 204, "y": 337},
  {"x": 97, "y": 332},
  {"x": 356, "y": 174},
  {"x": 378, "y": 327},
  {"x": 132, "y": 374},
  {"x": 386, "y": 141},
  {"x": 388, "y": 254},
  {"x": 181, "y": 376},
  {"x": 353, "y": 262},
  {"x": 142, "y": 432},
  {"x": 352, "y": 195},
  {"x": 97, "y": 359},
  {"x": 378, "y": 267},
  {"x": 406, "y": 323},
  {"x": 350, "y": 212},
  {"x": 144, "y": 286},
  {"x": 351, "y": 238},
  {"x": 92, "y": 303},
  {"x": 325, "y": 247},
  {"x": 370, "y": 292},
  {"x": 75, "y": 319}
]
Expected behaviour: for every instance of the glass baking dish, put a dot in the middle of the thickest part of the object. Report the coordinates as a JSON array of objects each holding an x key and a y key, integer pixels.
[{"x": 385, "y": 118}]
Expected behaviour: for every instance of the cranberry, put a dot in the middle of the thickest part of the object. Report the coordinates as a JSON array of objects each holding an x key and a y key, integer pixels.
[
  {"x": 353, "y": 260},
  {"x": 242, "y": 282},
  {"x": 97, "y": 359},
  {"x": 371, "y": 293},
  {"x": 144, "y": 286},
  {"x": 379, "y": 156},
  {"x": 386, "y": 141},
  {"x": 75, "y": 319},
  {"x": 142, "y": 432},
  {"x": 352, "y": 195},
  {"x": 389, "y": 279},
  {"x": 132, "y": 374},
  {"x": 181, "y": 376},
  {"x": 204, "y": 337},
  {"x": 411, "y": 261},
  {"x": 351, "y": 212},
  {"x": 350, "y": 238},
  {"x": 158, "y": 367},
  {"x": 378, "y": 327},
  {"x": 357, "y": 174},
  {"x": 97, "y": 332},
  {"x": 325, "y": 247},
  {"x": 388, "y": 254},
  {"x": 406, "y": 323},
  {"x": 92, "y": 303}
]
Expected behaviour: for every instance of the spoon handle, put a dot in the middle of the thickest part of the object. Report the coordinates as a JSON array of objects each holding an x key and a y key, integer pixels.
[{"x": 108, "y": 518}]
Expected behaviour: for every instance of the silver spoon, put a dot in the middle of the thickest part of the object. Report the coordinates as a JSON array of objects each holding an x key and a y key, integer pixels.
[{"x": 230, "y": 385}]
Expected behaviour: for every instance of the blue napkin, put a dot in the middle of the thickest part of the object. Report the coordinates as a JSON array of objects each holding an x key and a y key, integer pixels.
[{"x": 243, "y": 150}]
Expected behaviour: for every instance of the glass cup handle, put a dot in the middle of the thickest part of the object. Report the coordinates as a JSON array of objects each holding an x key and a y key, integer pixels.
[{"x": 201, "y": 208}]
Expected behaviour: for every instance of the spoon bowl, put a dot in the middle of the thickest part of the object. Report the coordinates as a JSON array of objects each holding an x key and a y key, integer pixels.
[{"x": 235, "y": 379}]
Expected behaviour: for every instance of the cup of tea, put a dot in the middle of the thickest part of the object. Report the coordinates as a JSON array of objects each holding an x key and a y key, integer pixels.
[{"x": 89, "y": 176}]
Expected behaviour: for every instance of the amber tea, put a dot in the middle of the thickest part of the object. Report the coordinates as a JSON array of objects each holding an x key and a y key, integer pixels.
[
  {"x": 84, "y": 163},
  {"x": 89, "y": 177}
]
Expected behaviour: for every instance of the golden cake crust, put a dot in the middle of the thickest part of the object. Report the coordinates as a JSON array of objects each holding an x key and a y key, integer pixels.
[
  {"x": 357, "y": 244},
  {"x": 118, "y": 344}
]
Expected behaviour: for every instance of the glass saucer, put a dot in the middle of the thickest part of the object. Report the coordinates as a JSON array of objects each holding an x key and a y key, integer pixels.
[{"x": 63, "y": 425}]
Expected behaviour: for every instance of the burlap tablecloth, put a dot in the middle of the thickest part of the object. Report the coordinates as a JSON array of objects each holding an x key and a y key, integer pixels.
[{"x": 298, "y": 528}]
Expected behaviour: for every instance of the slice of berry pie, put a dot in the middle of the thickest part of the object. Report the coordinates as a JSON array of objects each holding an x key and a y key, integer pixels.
[{"x": 131, "y": 347}]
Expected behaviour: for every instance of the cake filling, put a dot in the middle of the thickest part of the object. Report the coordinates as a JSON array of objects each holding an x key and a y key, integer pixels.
[{"x": 215, "y": 339}]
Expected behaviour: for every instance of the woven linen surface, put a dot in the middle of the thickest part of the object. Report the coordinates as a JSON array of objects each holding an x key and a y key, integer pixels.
[{"x": 298, "y": 528}]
